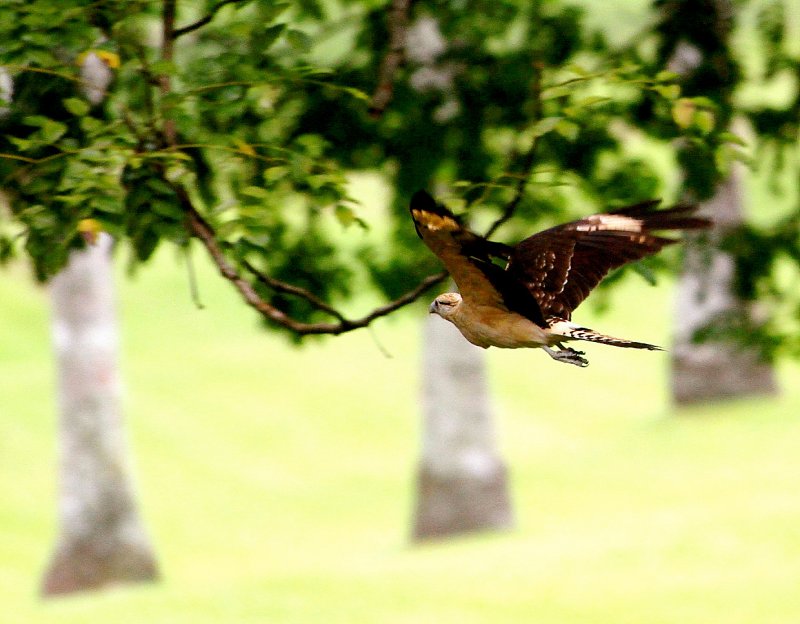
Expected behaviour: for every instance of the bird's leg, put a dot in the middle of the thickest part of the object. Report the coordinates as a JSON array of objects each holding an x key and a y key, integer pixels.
[
  {"x": 561, "y": 346},
  {"x": 567, "y": 355}
]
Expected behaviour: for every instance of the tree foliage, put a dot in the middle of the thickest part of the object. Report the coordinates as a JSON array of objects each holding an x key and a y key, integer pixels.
[
  {"x": 747, "y": 76},
  {"x": 236, "y": 122}
]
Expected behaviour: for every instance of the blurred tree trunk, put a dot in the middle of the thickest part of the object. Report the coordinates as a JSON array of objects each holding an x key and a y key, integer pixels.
[
  {"x": 717, "y": 368},
  {"x": 461, "y": 481},
  {"x": 461, "y": 484},
  {"x": 102, "y": 540},
  {"x": 696, "y": 41}
]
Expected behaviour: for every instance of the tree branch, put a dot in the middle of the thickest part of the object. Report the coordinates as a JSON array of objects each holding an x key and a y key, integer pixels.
[
  {"x": 530, "y": 156},
  {"x": 206, "y": 19},
  {"x": 395, "y": 57},
  {"x": 202, "y": 230},
  {"x": 167, "y": 54},
  {"x": 291, "y": 289}
]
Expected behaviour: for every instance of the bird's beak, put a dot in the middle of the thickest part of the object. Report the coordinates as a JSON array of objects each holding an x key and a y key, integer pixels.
[{"x": 432, "y": 308}]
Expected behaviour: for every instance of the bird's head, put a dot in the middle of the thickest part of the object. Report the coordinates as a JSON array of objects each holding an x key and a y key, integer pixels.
[{"x": 445, "y": 305}]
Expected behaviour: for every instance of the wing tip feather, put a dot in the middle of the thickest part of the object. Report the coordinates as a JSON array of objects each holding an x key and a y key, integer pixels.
[
  {"x": 678, "y": 217},
  {"x": 430, "y": 214}
]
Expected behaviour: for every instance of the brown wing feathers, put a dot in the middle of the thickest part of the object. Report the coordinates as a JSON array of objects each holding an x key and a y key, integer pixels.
[
  {"x": 678, "y": 217},
  {"x": 460, "y": 250},
  {"x": 442, "y": 231},
  {"x": 562, "y": 265},
  {"x": 468, "y": 259},
  {"x": 550, "y": 273}
]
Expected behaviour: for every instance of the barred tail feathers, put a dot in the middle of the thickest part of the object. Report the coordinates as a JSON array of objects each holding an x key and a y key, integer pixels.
[{"x": 571, "y": 331}]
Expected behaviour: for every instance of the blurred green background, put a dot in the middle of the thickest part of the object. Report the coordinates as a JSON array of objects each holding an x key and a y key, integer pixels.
[{"x": 277, "y": 482}]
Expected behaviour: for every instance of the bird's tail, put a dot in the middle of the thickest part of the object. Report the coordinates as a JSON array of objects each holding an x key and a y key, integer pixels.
[{"x": 571, "y": 331}]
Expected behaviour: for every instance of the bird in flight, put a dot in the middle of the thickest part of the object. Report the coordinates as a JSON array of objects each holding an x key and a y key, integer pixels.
[{"x": 524, "y": 295}]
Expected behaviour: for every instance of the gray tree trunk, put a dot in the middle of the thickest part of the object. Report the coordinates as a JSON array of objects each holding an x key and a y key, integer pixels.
[
  {"x": 102, "y": 540},
  {"x": 718, "y": 368},
  {"x": 461, "y": 481},
  {"x": 462, "y": 484}
]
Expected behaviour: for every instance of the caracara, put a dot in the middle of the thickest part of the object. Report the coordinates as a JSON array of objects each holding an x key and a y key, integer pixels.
[{"x": 524, "y": 295}]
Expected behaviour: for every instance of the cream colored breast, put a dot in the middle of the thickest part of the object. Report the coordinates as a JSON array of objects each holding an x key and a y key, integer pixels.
[{"x": 490, "y": 327}]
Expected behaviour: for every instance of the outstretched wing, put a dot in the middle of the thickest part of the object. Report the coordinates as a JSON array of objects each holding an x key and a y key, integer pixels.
[
  {"x": 468, "y": 258},
  {"x": 562, "y": 265}
]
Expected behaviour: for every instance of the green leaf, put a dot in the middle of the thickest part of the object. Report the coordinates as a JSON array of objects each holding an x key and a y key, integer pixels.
[
  {"x": 669, "y": 91},
  {"x": 310, "y": 70},
  {"x": 358, "y": 94},
  {"x": 683, "y": 112},
  {"x": 38, "y": 121},
  {"x": 52, "y": 131},
  {"x": 543, "y": 126},
  {"x": 159, "y": 186},
  {"x": 165, "y": 208},
  {"x": 591, "y": 101},
  {"x": 298, "y": 40},
  {"x": 456, "y": 204},
  {"x": 704, "y": 102},
  {"x": 270, "y": 35},
  {"x": 578, "y": 69},
  {"x": 255, "y": 191},
  {"x": 556, "y": 92},
  {"x": 76, "y": 106},
  {"x": 722, "y": 159},
  {"x": 163, "y": 68},
  {"x": 91, "y": 125},
  {"x": 273, "y": 10},
  {"x": 273, "y": 174},
  {"x": 568, "y": 129},
  {"x": 705, "y": 121},
  {"x": 667, "y": 76},
  {"x": 730, "y": 137},
  {"x": 22, "y": 144},
  {"x": 345, "y": 215}
]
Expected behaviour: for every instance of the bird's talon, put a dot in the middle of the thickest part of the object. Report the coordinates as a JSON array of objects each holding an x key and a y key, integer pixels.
[{"x": 568, "y": 356}]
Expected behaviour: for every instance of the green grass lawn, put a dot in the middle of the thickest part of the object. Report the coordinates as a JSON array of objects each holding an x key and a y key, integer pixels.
[{"x": 277, "y": 483}]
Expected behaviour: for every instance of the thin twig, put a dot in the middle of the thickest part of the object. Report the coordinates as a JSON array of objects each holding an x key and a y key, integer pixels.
[
  {"x": 380, "y": 346},
  {"x": 291, "y": 289},
  {"x": 191, "y": 274},
  {"x": 395, "y": 57},
  {"x": 206, "y": 19}
]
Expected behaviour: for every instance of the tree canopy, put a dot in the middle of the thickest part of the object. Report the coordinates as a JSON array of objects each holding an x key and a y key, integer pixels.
[{"x": 237, "y": 123}]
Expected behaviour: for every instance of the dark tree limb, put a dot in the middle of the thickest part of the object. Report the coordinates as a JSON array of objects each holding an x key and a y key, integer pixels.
[
  {"x": 291, "y": 289},
  {"x": 167, "y": 54},
  {"x": 394, "y": 59},
  {"x": 203, "y": 231},
  {"x": 206, "y": 19}
]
